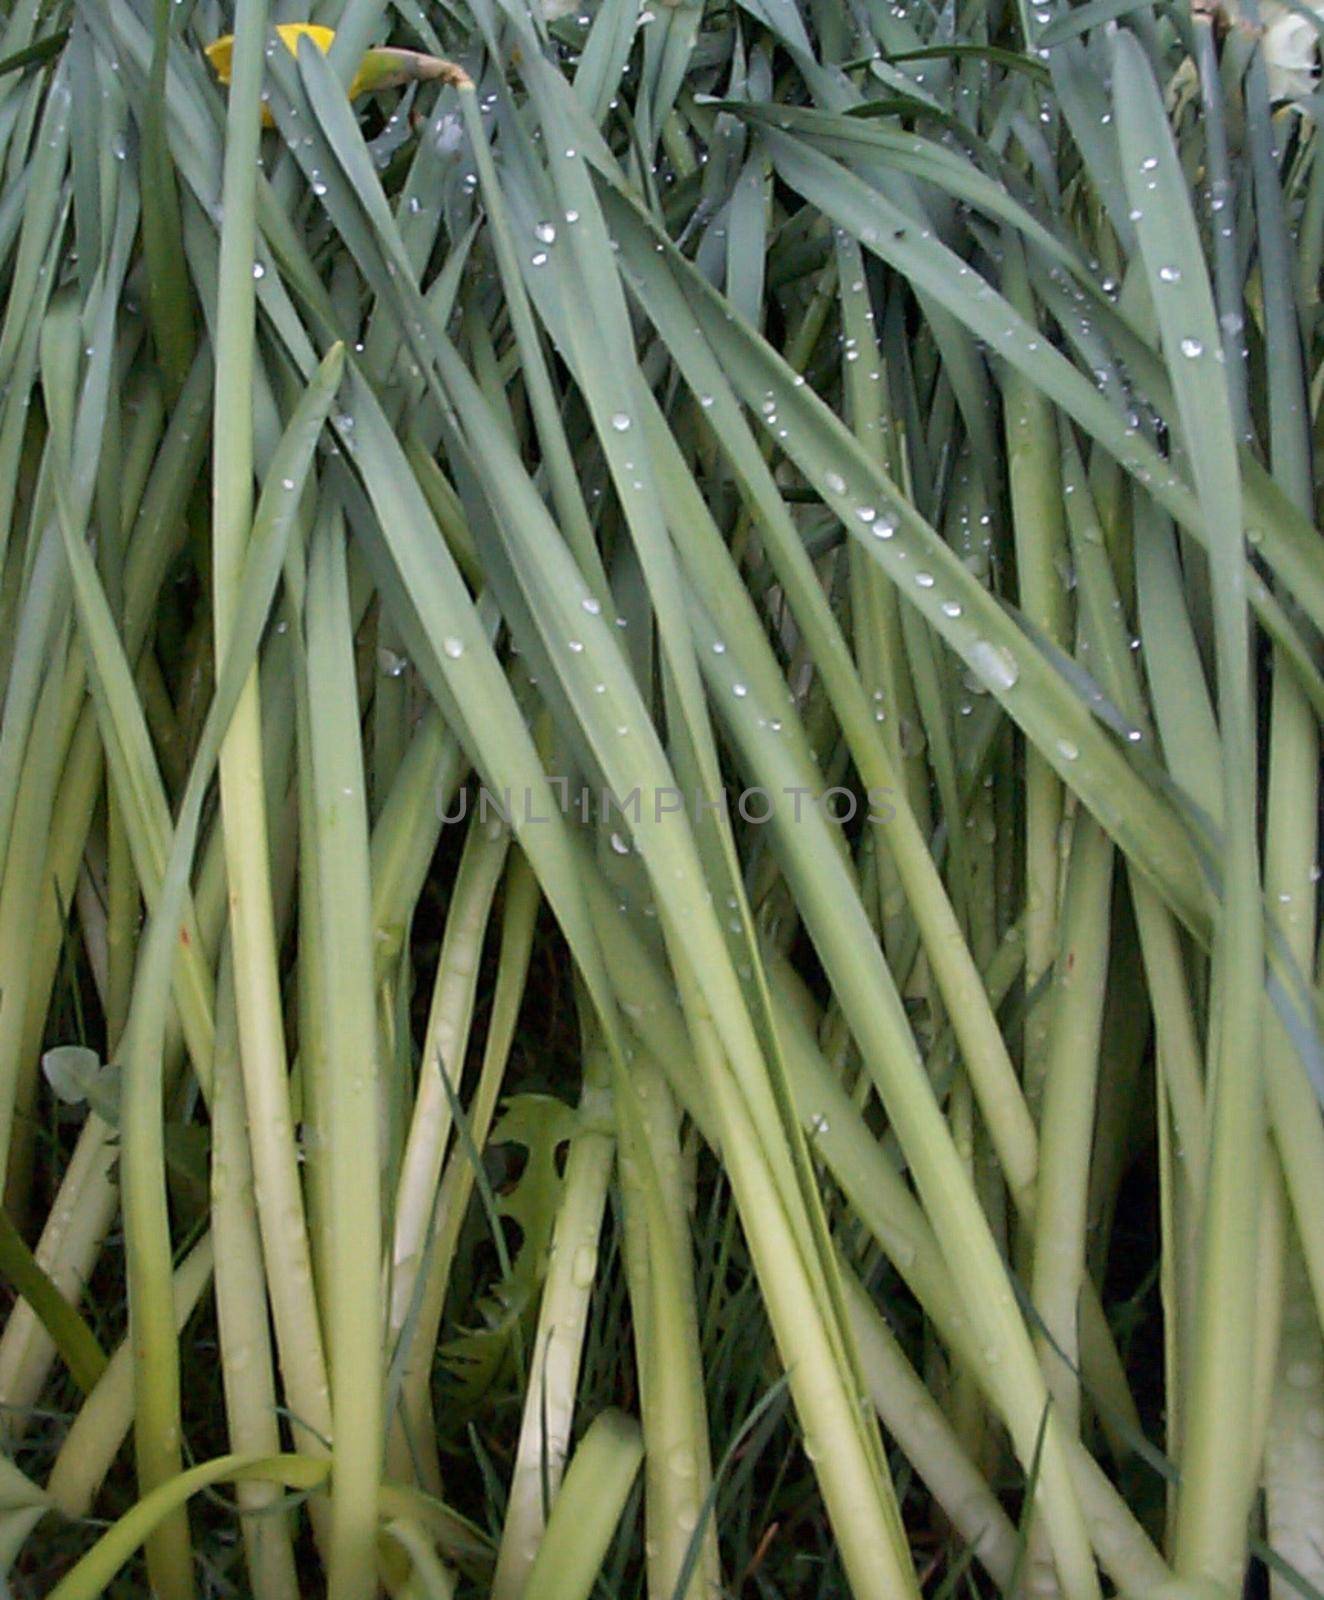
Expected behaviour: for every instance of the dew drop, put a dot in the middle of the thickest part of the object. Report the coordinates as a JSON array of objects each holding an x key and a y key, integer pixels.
[{"x": 994, "y": 664}]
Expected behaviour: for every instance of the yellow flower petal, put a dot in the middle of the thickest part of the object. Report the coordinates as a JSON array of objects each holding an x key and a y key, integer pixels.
[
  {"x": 384, "y": 68},
  {"x": 221, "y": 51}
]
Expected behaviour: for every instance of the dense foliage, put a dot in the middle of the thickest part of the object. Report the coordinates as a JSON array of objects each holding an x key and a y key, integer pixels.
[{"x": 658, "y": 799}]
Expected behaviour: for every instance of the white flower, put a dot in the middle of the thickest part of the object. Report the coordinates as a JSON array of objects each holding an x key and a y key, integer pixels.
[
  {"x": 1291, "y": 44},
  {"x": 1291, "y": 52}
]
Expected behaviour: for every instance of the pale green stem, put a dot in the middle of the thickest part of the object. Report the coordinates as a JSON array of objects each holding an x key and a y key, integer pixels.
[
  {"x": 20, "y": 896},
  {"x": 677, "y": 1457},
  {"x": 100, "y": 1428},
  {"x": 1268, "y": 1314},
  {"x": 1067, "y": 1122},
  {"x": 350, "y": 1097},
  {"x": 915, "y": 1420},
  {"x": 445, "y": 1044},
  {"x": 75, "y": 1226},
  {"x": 243, "y": 804},
  {"x": 965, "y": 1404},
  {"x": 241, "y": 1312},
  {"x": 1291, "y": 847},
  {"x": 857, "y": 1490},
  {"x": 1294, "y": 1456},
  {"x": 1038, "y": 524},
  {"x": 121, "y": 919},
  {"x": 413, "y": 1436},
  {"x": 592, "y": 1498}
]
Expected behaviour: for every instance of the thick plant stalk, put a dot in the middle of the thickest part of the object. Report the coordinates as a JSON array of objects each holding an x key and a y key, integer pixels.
[
  {"x": 1270, "y": 1267},
  {"x": 73, "y": 1233},
  {"x": 243, "y": 807},
  {"x": 602, "y": 1472},
  {"x": 20, "y": 894},
  {"x": 677, "y": 1459},
  {"x": 884, "y": 671},
  {"x": 312, "y": 1066},
  {"x": 350, "y": 1098},
  {"x": 242, "y": 1313},
  {"x": 1294, "y": 1454},
  {"x": 1041, "y": 546},
  {"x": 1294, "y": 1499},
  {"x": 1067, "y": 1121},
  {"x": 402, "y": 845}
]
